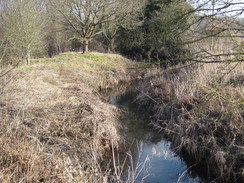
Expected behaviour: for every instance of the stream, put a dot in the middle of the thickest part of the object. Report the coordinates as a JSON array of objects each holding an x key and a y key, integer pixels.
[{"x": 150, "y": 149}]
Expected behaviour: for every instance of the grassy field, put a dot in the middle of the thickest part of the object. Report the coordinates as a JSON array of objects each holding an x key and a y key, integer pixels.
[{"x": 54, "y": 126}]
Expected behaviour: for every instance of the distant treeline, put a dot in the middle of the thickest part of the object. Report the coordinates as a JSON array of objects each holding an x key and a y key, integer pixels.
[{"x": 161, "y": 31}]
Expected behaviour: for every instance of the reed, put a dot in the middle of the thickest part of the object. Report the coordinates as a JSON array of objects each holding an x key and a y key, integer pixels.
[{"x": 200, "y": 108}]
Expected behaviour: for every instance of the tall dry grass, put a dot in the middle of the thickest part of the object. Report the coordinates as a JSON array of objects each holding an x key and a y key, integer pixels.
[
  {"x": 54, "y": 126},
  {"x": 200, "y": 108}
]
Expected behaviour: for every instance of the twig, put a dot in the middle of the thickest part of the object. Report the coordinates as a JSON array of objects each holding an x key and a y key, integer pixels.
[
  {"x": 147, "y": 95},
  {"x": 220, "y": 95},
  {"x": 184, "y": 173},
  {"x": 10, "y": 69}
]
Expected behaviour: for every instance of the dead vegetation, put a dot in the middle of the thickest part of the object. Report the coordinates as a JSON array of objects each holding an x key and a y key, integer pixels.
[
  {"x": 54, "y": 126},
  {"x": 200, "y": 108}
]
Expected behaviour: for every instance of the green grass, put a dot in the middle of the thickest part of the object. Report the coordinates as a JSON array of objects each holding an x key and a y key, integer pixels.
[
  {"x": 95, "y": 58},
  {"x": 74, "y": 56},
  {"x": 28, "y": 69}
]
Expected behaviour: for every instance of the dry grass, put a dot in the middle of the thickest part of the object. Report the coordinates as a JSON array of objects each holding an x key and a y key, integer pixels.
[
  {"x": 98, "y": 70},
  {"x": 227, "y": 46},
  {"x": 200, "y": 108},
  {"x": 54, "y": 126}
]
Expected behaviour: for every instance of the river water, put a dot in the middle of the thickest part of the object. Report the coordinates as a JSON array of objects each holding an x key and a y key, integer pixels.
[{"x": 151, "y": 153}]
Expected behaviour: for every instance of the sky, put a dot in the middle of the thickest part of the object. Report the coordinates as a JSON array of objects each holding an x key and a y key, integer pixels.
[{"x": 222, "y": 7}]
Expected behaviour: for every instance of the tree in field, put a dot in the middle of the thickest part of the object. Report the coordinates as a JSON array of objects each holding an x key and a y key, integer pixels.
[
  {"x": 87, "y": 18},
  {"x": 22, "y": 28}
]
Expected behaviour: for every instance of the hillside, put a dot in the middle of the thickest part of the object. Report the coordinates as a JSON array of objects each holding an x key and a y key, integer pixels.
[{"x": 54, "y": 125}]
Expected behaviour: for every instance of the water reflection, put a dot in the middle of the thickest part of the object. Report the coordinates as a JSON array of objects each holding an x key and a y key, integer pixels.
[{"x": 164, "y": 166}]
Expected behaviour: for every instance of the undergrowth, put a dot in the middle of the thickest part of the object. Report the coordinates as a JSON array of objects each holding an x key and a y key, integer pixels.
[
  {"x": 54, "y": 126},
  {"x": 200, "y": 108}
]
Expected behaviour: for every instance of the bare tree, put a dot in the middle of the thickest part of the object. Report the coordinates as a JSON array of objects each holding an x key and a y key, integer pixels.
[
  {"x": 22, "y": 28},
  {"x": 215, "y": 34},
  {"x": 86, "y": 18}
]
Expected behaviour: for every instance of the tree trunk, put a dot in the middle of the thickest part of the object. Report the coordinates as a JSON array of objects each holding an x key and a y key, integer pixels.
[
  {"x": 111, "y": 45},
  {"x": 212, "y": 38},
  {"x": 108, "y": 49},
  {"x": 85, "y": 46},
  {"x": 28, "y": 55}
]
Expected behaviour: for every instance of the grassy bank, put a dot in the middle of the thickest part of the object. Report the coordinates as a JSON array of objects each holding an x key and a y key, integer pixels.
[
  {"x": 200, "y": 108},
  {"x": 54, "y": 126}
]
